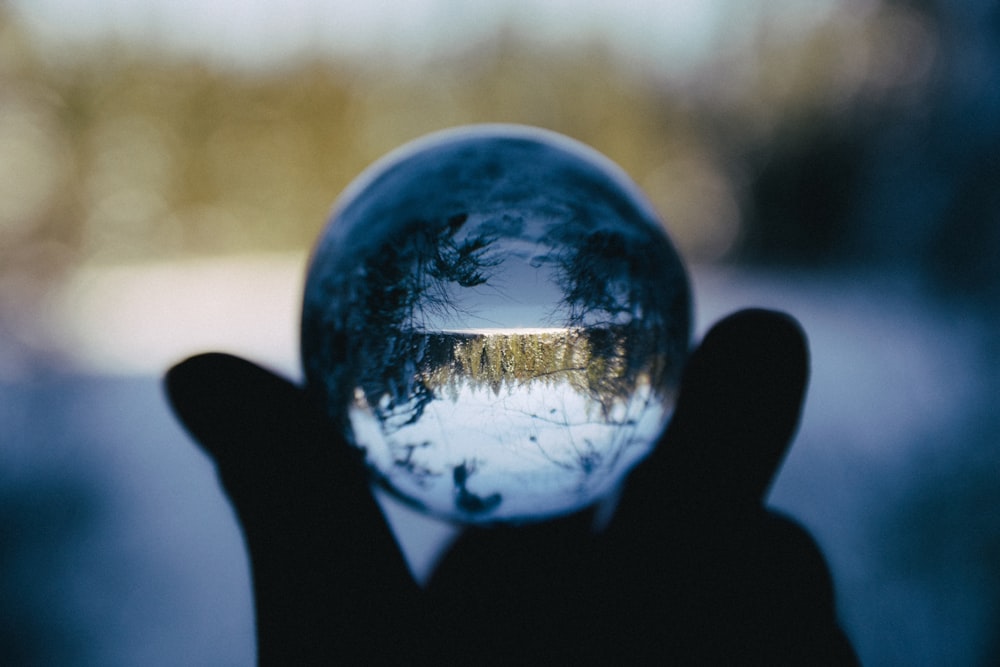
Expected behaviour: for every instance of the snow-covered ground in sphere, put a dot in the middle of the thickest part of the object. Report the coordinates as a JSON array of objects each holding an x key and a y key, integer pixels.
[{"x": 539, "y": 448}]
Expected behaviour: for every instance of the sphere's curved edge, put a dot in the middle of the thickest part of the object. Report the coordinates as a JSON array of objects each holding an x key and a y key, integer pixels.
[
  {"x": 495, "y": 130},
  {"x": 460, "y": 519}
]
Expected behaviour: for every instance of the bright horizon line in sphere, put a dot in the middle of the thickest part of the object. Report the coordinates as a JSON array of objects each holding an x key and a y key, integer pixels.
[{"x": 503, "y": 331}]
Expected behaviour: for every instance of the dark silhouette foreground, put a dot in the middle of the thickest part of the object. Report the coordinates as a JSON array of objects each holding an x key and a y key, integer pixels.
[{"x": 691, "y": 569}]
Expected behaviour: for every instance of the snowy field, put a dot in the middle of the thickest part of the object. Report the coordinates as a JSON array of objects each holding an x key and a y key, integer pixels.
[{"x": 119, "y": 549}]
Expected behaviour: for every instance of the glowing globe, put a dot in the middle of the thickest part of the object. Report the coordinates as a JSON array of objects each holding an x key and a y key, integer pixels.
[{"x": 497, "y": 317}]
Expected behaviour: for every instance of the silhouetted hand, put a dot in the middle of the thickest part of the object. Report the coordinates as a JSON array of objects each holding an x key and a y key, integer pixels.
[{"x": 691, "y": 569}]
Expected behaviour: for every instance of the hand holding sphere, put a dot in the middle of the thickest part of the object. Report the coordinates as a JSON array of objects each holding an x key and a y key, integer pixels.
[{"x": 691, "y": 569}]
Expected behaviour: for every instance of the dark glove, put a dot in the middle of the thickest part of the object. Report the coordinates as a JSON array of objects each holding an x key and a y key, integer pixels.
[{"x": 691, "y": 569}]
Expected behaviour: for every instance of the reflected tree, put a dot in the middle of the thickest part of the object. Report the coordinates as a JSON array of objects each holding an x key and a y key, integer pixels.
[
  {"x": 398, "y": 288},
  {"x": 607, "y": 276}
]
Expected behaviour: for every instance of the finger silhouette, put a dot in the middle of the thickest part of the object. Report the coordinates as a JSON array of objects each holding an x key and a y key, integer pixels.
[
  {"x": 744, "y": 581},
  {"x": 739, "y": 405},
  {"x": 327, "y": 572}
]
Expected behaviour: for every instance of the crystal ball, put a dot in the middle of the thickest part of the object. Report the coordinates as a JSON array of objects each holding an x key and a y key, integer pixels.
[{"x": 497, "y": 317}]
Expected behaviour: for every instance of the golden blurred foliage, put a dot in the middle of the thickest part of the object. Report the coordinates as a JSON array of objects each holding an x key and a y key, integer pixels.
[{"x": 115, "y": 153}]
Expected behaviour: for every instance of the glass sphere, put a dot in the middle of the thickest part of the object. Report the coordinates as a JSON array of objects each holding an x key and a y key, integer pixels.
[{"x": 497, "y": 318}]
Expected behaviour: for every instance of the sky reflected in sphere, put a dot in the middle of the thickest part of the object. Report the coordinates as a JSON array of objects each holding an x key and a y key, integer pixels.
[{"x": 499, "y": 320}]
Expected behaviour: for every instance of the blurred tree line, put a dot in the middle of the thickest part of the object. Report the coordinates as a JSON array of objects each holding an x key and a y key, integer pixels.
[{"x": 872, "y": 139}]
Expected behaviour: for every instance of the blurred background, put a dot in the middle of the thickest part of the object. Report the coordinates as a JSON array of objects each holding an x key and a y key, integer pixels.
[{"x": 166, "y": 166}]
